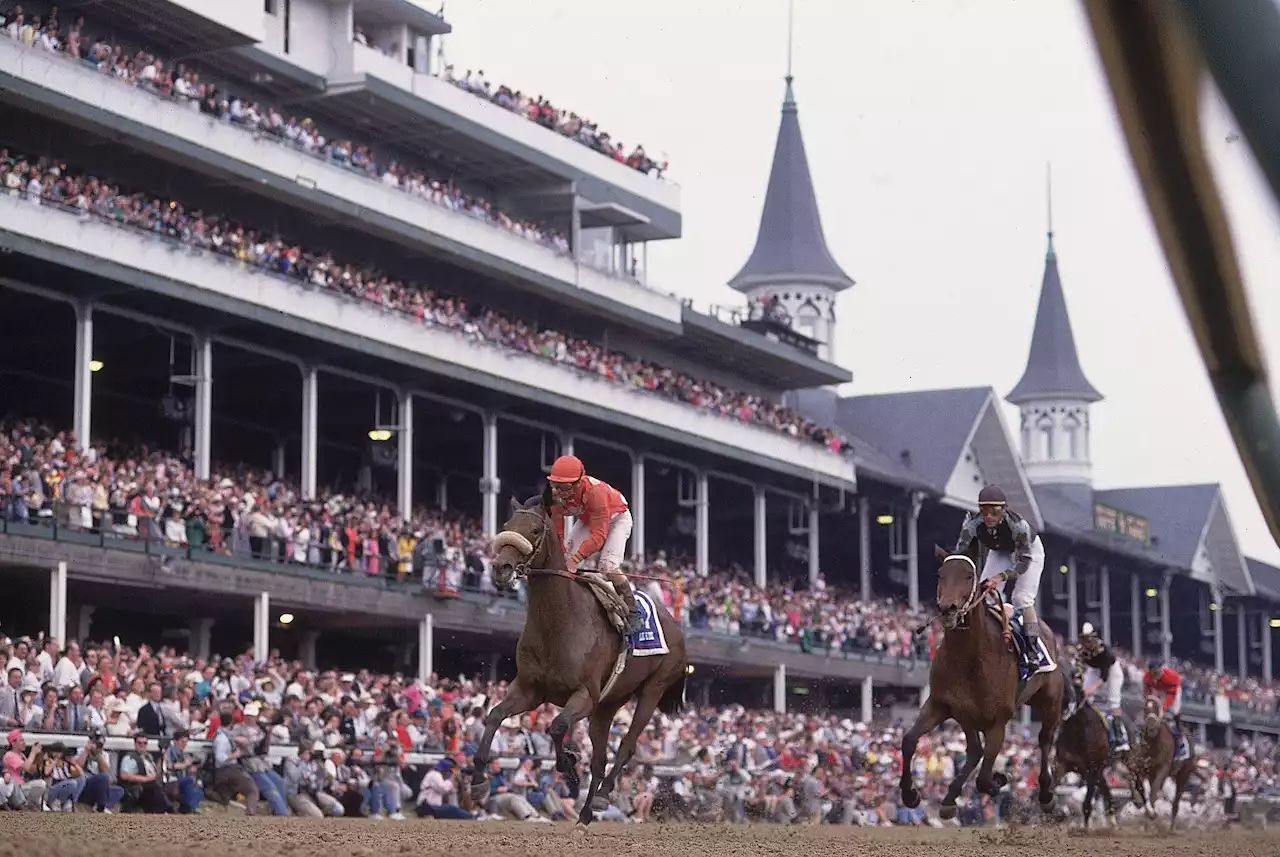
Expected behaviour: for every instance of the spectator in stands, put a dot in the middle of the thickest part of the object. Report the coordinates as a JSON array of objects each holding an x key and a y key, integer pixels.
[
  {"x": 181, "y": 786},
  {"x": 229, "y": 777},
  {"x": 140, "y": 776},
  {"x": 22, "y": 765},
  {"x": 437, "y": 797}
]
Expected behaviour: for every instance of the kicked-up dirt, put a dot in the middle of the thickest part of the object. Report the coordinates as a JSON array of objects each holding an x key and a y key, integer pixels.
[{"x": 88, "y": 835}]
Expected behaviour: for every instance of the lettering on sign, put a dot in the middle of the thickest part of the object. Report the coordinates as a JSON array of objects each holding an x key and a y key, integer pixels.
[{"x": 1125, "y": 524}]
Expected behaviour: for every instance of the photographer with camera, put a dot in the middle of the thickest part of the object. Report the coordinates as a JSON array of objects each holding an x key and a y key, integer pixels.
[
  {"x": 143, "y": 788},
  {"x": 253, "y": 741},
  {"x": 229, "y": 777},
  {"x": 99, "y": 792}
]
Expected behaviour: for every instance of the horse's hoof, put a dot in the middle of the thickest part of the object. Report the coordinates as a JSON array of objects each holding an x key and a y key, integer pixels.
[
  {"x": 999, "y": 780},
  {"x": 599, "y": 803},
  {"x": 480, "y": 791},
  {"x": 910, "y": 797},
  {"x": 988, "y": 788},
  {"x": 581, "y": 831},
  {"x": 1112, "y": 820},
  {"x": 947, "y": 812}
]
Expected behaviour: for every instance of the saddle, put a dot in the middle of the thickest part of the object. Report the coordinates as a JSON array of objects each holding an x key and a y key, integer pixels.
[{"x": 608, "y": 597}]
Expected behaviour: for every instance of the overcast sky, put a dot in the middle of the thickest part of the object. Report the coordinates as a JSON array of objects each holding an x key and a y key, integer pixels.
[{"x": 928, "y": 126}]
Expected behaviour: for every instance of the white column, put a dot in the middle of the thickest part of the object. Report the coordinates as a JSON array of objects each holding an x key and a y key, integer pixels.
[
  {"x": 426, "y": 648},
  {"x": 1104, "y": 584},
  {"x": 82, "y": 419},
  {"x": 202, "y": 427},
  {"x": 421, "y": 54},
  {"x": 261, "y": 626},
  {"x": 1073, "y": 601},
  {"x": 864, "y": 548},
  {"x": 815, "y": 550},
  {"x": 1264, "y": 635},
  {"x": 780, "y": 689},
  {"x": 404, "y": 467},
  {"x": 84, "y": 622},
  {"x": 1218, "y": 658},
  {"x": 1166, "y": 634},
  {"x": 490, "y": 485},
  {"x": 310, "y": 442},
  {"x": 637, "y": 506},
  {"x": 924, "y": 694},
  {"x": 1135, "y": 615},
  {"x": 1025, "y": 718},
  {"x": 761, "y": 530},
  {"x": 703, "y": 520},
  {"x": 442, "y": 493},
  {"x": 868, "y": 699},
  {"x": 278, "y": 456},
  {"x": 201, "y": 639},
  {"x": 1242, "y": 642},
  {"x": 913, "y": 552},
  {"x": 58, "y": 604},
  {"x": 307, "y": 648}
]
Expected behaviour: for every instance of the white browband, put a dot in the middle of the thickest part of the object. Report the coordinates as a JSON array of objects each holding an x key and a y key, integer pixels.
[{"x": 963, "y": 558}]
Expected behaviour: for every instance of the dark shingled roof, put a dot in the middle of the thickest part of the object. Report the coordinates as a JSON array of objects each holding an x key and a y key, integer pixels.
[
  {"x": 1053, "y": 366},
  {"x": 1177, "y": 515},
  {"x": 791, "y": 248},
  {"x": 1265, "y": 577}
]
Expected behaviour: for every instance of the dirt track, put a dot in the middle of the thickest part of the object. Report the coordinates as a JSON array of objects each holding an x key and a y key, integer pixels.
[{"x": 25, "y": 834}]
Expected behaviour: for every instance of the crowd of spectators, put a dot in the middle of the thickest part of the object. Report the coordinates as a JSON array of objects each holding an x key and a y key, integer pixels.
[
  {"x": 185, "y": 86},
  {"x": 541, "y": 111},
  {"x": 133, "y": 492},
  {"x": 354, "y": 735},
  {"x": 44, "y": 181}
]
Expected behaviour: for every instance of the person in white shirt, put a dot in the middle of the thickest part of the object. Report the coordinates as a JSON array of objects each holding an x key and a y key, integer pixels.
[{"x": 437, "y": 793}]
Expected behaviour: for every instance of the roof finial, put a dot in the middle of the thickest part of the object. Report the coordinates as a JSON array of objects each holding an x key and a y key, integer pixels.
[
  {"x": 791, "y": 12},
  {"x": 1048, "y": 181}
]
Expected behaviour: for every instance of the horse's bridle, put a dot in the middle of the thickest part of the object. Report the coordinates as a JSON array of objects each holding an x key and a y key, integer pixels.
[
  {"x": 970, "y": 602},
  {"x": 521, "y": 568}
]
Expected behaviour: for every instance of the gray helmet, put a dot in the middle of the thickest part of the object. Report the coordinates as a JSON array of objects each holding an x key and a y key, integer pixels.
[{"x": 992, "y": 496}]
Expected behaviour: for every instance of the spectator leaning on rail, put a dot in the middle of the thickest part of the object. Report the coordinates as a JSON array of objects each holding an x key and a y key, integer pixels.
[
  {"x": 602, "y": 524},
  {"x": 1014, "y": 552}
]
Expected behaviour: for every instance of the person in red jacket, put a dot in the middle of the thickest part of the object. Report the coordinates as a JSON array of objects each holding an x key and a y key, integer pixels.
[
  {"x": 601, "y": 526},
  {"x": 1166, "y": 685}
]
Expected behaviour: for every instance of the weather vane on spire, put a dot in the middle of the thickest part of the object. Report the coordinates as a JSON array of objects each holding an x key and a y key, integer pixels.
[{"x": 1048, "y": 182}]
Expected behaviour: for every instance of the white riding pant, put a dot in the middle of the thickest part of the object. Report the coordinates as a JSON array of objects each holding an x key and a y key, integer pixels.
[
  {"x": 1028, "y": 583},
  {"x": 614, "y": 550},
  {"x": 1112, "y": 684}
]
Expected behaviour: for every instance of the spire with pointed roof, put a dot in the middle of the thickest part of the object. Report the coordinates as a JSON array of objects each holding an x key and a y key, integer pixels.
[
  {"x": 1054, "y": 396},
  {"x": 1053, "y": 366},
  {"x": 791, "y": 248}
]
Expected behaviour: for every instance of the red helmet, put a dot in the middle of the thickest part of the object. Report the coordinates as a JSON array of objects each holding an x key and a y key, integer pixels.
[{"x": 567, "y": 468}]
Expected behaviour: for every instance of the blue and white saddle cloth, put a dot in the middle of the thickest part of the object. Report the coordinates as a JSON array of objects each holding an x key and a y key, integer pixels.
[{"x": 649, "y": 639}]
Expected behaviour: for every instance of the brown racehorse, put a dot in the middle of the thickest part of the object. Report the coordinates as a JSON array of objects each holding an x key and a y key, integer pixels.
[
  {"x": 1084, "y": 747},
  {"x": 566, "y": 656},
  {"x": 974, "y": 681},
  {"x": 1151, "y": 762}
]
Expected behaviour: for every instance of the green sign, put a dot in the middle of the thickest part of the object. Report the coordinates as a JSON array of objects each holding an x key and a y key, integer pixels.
[{"x": 1130, "y": 526}]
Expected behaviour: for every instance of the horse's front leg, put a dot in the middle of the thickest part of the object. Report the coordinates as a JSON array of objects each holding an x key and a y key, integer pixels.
[
  {"x": 598, "y": 732},
  {"x": 992, "y": 743},
  {"x": 518, "y": 700},
  {"x": 1048, "y": 735},
  {"x": 931, "y": 715},
  {"x": 973, "y": 755},
  {"x": 578, "y": 706}
]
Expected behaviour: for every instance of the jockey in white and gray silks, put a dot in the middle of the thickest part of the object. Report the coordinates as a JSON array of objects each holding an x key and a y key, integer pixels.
[{"x": 1014, "y": 552}]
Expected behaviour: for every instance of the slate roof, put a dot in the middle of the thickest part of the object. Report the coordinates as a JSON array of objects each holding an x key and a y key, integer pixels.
[
  {"x": 1053, "y": 366},
  {"x": 931, "y": 426},
  {"x": 1177, "y": 515},
  {"x": 791, "y": 247},
  {"x": 1266, "y": 578}
]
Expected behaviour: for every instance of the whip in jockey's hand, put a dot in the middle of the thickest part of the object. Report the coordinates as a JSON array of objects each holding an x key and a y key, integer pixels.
[{"x": 601, "y": 527}]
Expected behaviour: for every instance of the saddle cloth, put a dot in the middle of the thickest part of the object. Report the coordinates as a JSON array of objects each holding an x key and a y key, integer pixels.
[
  {"x": 1029, "y": 659},
  {"x": 649, "y": 638}
]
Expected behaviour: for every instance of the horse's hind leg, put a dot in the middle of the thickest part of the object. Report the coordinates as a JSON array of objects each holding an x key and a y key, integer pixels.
[
  {"x": 598, "y": 730},
  {"x": 577, "y": 707},
  {"x": 518, "y": 700},
  {"x": 973, "y": 755},
  {"x": 1050, "y": 715},
  {"x": 1180, "y": 777},
  {"x": 1090, "y": 795},
  {"x": 932, "y": 713},
  {"x": 1106, "y": 796}
]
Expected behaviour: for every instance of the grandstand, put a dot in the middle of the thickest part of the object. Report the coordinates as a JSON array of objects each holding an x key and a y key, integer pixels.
[{"x": 287, "y": 313}]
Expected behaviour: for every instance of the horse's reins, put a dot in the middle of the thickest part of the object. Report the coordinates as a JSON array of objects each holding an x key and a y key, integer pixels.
[
  {"x": 522, "y": 569},
  {"x": 975, "y": 595}
]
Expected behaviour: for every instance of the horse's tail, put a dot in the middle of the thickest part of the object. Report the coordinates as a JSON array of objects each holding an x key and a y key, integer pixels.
[{"x": 672, "y": 701}]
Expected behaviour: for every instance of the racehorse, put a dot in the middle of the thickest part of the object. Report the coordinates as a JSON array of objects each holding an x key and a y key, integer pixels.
[
  {"x": 974, "y": 681},
  {"x": 569, "y": 655},
  {"x": 1085, "y": 747},
  {"x": 1151, "y": 762}
]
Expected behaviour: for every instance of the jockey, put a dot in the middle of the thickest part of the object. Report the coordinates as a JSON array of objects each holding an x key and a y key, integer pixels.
[
  {"x": 1102, "y": 670},
  {"x": 601, "y": 527},
  {"x": 1160, "y": 679},
  {"x": 1014, "y": 552}
]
